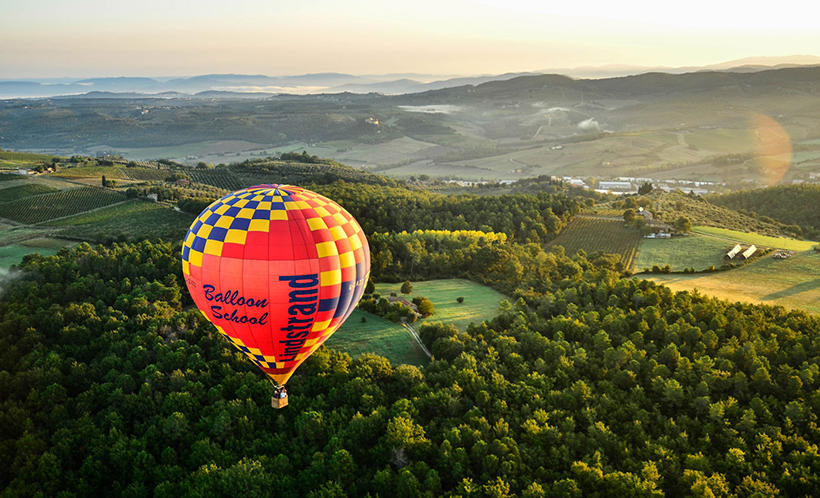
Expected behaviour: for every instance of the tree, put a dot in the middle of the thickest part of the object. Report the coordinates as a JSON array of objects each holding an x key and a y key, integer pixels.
[
  {"x": 683, "y": 224},
  {"x": 460, "y": 299},
  {"x": 104, "y": 183},
  {"x": 406, "y": 287},
  {"x": 425, "y": 307},
  {"x": 645, "y": 188},
  {"x": 629, "y": 215}
]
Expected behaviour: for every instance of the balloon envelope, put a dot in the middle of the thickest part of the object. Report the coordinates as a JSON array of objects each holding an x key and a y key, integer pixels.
[{"x": 276, "y": 269}]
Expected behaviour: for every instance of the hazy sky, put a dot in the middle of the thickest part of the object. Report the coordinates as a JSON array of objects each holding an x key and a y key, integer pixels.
[{"x": 56, "y": 38}]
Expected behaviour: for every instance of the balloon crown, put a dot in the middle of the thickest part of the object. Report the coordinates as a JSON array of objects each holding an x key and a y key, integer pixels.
[{"x": 277, "y": 188}]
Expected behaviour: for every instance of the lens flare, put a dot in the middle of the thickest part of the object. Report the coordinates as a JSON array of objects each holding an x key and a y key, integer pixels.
[{"x": 773, "y": 147}]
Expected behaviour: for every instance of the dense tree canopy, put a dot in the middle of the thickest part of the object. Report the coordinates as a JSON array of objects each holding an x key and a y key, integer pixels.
[
  {"x": 112, "y": 385},
  {"x": 788, "y": 204}
]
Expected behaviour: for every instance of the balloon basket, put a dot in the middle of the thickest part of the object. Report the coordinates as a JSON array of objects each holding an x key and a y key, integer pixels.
[{"x": 278, "y": 403}]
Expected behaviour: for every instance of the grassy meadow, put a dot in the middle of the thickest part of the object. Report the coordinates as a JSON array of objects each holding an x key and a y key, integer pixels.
[
  {"x": 378, "y": 336},
  {"x": 753, "y": 238},
  {"x": 12, "y": 254},
  {"x": 682, "y": 252},
  {"x": 793, "y": 283},
  {"x": 480, "y": 302}
]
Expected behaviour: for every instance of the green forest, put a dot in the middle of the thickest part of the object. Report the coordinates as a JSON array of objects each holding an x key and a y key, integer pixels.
[
  {"x": 586, "y": 383},
  {"x": 784, "y": 203}
]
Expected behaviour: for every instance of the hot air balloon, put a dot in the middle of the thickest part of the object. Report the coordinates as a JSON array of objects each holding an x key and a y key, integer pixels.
[{"x": 276, "y": 269}]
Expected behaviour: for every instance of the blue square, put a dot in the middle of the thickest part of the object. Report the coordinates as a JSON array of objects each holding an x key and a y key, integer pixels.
[
  {"x": 277, "y": 206},
  {"x": 218, "y": 233},
  {"x": 251, "y": 204},
  {"x": 212, "y": 219},
  {"x": 185, "y": 251},
  {"x": 261, "y": 214},
  {"x": 199, "y": 244},
  {"x": 240, "y": 224},
  {"x": 232, "y": 211},
  {"x": 196, "y": 227}
]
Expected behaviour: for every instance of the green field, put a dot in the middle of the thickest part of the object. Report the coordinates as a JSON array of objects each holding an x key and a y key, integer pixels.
[
  {"x": 753, "y": 238},
  {"x": 600, "y": 234},
  {"x": 793, "y": 283},
  {"x": 393, "y": 341},
  {"x": 682, "y": 252},
  {"x": 40, "y": 208},
  {"x": 378, "y": 336},
  {"x": 23, "y": 191},
  {"x": 13, "y": 254},
  {"x": 132, "y": 220},
  {"x": 480, "y": 302}
]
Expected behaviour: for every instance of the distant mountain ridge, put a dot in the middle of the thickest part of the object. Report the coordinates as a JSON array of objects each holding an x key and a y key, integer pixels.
[{"x": 340, "y": 82}]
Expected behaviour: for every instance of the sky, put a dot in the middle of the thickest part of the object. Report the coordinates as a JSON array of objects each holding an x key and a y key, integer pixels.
[{"x": 95, "y": 38}]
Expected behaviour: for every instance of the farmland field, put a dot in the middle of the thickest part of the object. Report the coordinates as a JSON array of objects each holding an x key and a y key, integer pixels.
[
  {"x": 378, "y": 336},
  {"x": 131, "y": 220},
  {"x": 221, "y": 179},
  {"x": 793, "y": 283},
  {"x": 682, "y": 252},
  {"x": 40, "y": 208},
  {"x": 145, "y": 175},
  {"x": 480, "y": 302},
  {"x": 23, "y": 191},
  {"x": 110, "y": 172},
  {"x": 753, "y": 238},
  {"x": 600, "y": 234}
]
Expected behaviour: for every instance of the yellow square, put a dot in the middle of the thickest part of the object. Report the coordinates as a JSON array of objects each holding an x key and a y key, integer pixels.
[
  {"x": 240, "y": 203},
  {"x": 338, "y": 233},
  {"x": 311, "y": 342},
  {"x": 245, "y": 213},
  {"x": 221, "y": 209},
  {"x": 224, "y": 222},
  {"x": 279, "y": 215},
  {"x": 258, "y": 197},
  {"x": 321, "y": 212},
  {"x": 195, "y": 258},
  {"x": 325, "y": 249},
  {"x": 340, "y": 218},
  {"x": 186, "y": 268},
  {"x": 347, "y": 259},
  {"x": 276, "y": 198},
  {"x": 204, "y": 231},
  {"x": 316, "y": 224},
  {"x": 264, "y": 205},
  {"x": 254, "y": 351},
  {"x": 259, "y": 226},
  {"x": 190, "y": 239},
  {"x": 236, "y": 236},
  {"x": 292, "y": 206},
  {"x": 356, "y": 227},
  {"x": 332, "y": 277},
  {"x": 355, "y": 243},
  {"x": 303, "y": 205},
  {"x": 213, "y": 247}
]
